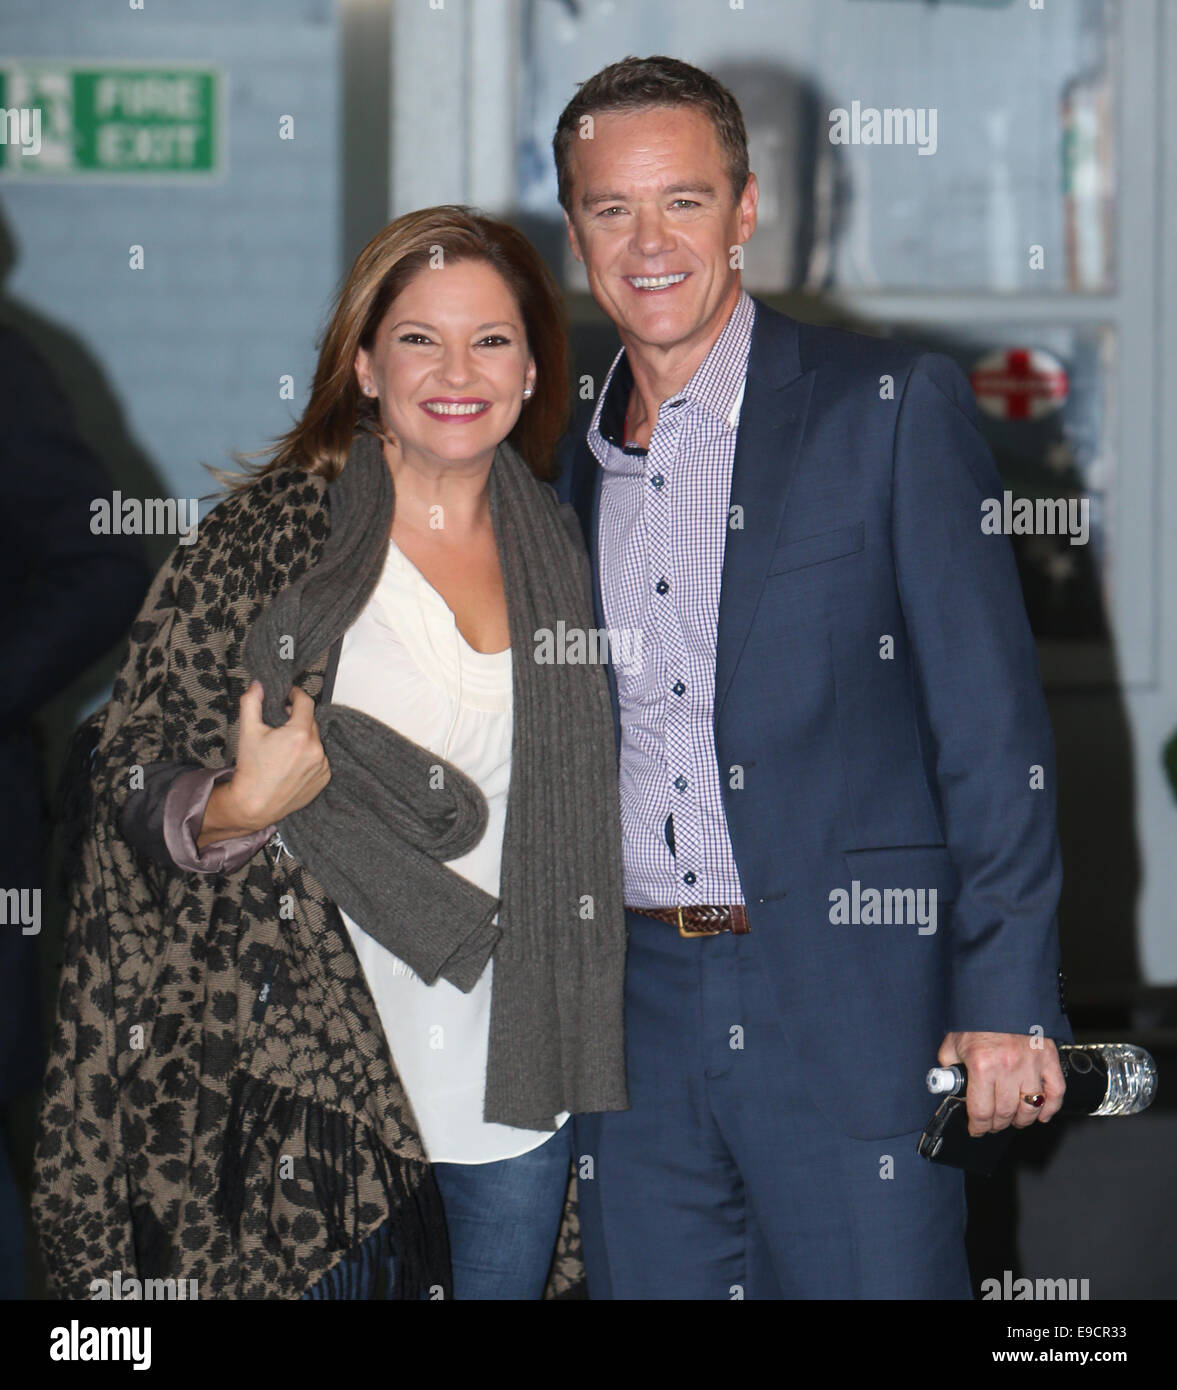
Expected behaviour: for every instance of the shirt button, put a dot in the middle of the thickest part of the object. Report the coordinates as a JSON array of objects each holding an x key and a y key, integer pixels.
[
  {"x": 678, "y": 687},
  {"x": 662, "y": 587},
  {"x": 657, "y": 480},
  {"x": 680, "y": 784},
  {"x": 677, "y": 403},
  {"x": 689, "y": 878}
]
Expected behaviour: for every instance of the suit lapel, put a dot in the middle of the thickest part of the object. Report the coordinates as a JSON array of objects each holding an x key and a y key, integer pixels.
[
  {"x": 772, "y": 423},
  {"x": 586, "y": 498}
]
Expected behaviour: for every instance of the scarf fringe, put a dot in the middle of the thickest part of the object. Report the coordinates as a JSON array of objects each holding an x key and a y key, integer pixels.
[{"x": 415, "y": 1231}]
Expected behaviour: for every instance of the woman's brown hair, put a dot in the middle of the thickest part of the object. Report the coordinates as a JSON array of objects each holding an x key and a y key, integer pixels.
[{"x": 448, "y": 234}]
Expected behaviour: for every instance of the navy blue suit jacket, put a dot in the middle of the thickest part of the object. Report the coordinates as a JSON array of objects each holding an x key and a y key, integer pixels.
[{"x": 859, "y": 519}]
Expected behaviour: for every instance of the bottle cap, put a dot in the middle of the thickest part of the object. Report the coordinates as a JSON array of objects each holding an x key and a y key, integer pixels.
[{"x": 942, "y": 1079}]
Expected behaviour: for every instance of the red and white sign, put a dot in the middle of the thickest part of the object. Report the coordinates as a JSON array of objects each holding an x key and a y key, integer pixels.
[{"x": 1019, "y": 383}]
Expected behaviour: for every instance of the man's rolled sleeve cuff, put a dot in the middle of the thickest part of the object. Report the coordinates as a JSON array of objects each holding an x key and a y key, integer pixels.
[{"x": 183, "y": 816}]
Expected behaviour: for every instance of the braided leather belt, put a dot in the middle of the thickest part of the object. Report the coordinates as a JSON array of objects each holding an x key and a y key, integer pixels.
[{"x": 702, "y": 919}]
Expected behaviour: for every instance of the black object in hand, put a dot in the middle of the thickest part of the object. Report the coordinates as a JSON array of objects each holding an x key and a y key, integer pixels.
[{"x": 1101, "y": 1079}]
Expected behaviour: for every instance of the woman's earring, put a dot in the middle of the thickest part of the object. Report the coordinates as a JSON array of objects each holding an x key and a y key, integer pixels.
[{"x": 526, "y": 392}]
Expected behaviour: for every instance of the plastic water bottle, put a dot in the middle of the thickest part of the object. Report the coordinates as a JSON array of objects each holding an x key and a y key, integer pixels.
[
  {"x": 1102, "y": 1079},
  {"x": 1125, "y": 1076}
]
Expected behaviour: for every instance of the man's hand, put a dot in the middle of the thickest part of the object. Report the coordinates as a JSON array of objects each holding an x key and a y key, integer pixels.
[{"x": 1004, "y": 1067}]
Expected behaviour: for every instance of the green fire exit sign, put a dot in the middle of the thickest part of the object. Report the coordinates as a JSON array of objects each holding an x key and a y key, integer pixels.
[{"x": 116, "y": 120}]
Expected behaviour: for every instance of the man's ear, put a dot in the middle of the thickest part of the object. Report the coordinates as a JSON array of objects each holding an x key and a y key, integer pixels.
[
  {"x": 572, "y": 241},
  {"x": 748, "y": 201}
]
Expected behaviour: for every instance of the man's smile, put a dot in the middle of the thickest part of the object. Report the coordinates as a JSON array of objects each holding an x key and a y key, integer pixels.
[{"x": 655, "y": 284}]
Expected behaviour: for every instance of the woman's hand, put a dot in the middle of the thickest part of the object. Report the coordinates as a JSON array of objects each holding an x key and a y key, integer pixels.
[{"x": 277, "y": 770}]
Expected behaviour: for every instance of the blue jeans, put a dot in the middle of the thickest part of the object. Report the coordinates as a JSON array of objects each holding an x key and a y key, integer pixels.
[{"x": 503, "y": 1219}]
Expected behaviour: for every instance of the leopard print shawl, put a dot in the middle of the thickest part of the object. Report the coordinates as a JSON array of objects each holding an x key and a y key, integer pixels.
[{"x": 220, "y": 1103}]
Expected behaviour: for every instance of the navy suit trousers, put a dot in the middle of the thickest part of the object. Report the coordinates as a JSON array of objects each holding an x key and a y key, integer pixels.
[{"x": 723, "y": 1180}]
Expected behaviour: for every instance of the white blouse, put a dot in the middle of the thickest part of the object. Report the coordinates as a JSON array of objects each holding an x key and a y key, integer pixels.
[{"x": 404, "y": 662}]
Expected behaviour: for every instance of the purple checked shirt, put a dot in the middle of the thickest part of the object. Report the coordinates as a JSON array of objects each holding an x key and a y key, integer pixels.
[{"x": 663, "y": 525}]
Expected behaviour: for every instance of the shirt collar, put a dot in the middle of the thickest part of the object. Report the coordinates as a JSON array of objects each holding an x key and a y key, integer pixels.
[{"x": 717, "y": 385}]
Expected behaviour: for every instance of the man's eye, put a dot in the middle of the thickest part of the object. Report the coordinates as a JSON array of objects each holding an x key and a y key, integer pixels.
[
  {"x": 607, "y": 210},
  {"x": 687, "y": 202}
]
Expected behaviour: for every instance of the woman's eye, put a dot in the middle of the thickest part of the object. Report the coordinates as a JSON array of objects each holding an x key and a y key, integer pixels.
[{"x": 495, "y": 339}]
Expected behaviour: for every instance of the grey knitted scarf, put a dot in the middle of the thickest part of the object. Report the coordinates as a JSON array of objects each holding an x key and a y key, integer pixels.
[{"x": 377, "y": 837}]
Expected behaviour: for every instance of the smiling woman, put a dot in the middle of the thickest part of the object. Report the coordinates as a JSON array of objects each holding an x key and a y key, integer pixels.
[
  {"x": 410, "y": 261},
  {"x": 393, "y": 976},
  {"x": 470, "y": 364}
]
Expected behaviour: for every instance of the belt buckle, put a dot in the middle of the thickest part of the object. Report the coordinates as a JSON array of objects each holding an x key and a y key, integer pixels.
[{"x": 684, "y": 930}]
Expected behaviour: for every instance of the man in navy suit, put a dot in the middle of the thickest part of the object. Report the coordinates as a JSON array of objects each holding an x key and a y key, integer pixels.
[{"x": 837, "y": 770}]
